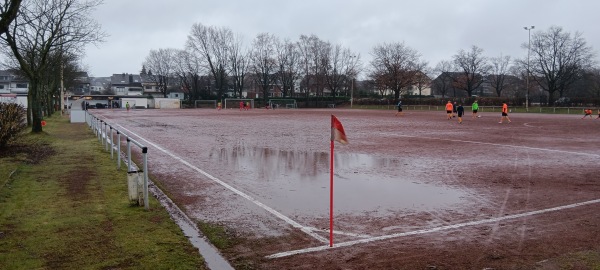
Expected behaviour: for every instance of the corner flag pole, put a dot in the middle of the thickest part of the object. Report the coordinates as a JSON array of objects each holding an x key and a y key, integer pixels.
[
  {"x": 337, "y": 134},
  {"x": 331, "y": 186}
]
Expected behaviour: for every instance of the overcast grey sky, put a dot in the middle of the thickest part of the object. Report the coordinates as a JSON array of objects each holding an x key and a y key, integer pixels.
[{"x": 435, "y": 28}]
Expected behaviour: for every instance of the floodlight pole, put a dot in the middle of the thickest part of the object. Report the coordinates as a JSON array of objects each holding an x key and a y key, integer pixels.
[
  {"x": 352, "y": 84},
  {"x": 527, "y": 79}
]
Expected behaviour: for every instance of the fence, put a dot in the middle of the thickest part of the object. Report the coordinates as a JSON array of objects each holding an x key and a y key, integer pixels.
[
  {"x": 552, "y": 110},
  {"x": 105, "y": 134}
]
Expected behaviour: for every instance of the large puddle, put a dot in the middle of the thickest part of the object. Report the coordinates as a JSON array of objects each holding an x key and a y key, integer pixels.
[{"x": 299, "y": 181}]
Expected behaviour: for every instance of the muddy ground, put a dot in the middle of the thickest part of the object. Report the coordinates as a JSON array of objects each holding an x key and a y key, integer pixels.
[{"x": 411, "y": 192}]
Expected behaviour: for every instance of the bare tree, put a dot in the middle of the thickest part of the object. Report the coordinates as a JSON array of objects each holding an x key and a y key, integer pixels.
[
  {"x": 8, "y": 12},
  {"x": 239, "y": 58},
  {"x": 592, "y": 79},
  {"x": 340, "y": 67},
  {"x": 395, "y": 66},
  {"x": 288, "y": 60},
  {"x": 473, "y": 69},
  {"x": 499, "y": 70},
  {"x": 42, "y": 28},
  {"x": 422, "y": 80},
  {"x": 558, "y": 60},
  {"x": 312, "y": 54},
  {"x": 188, "y": 68},
  {"x": 214, "y": 45},
  {"x": 443, "y": 81},
  {"x": 263, "y": 63},
  {"x": 162, "y": 63}
]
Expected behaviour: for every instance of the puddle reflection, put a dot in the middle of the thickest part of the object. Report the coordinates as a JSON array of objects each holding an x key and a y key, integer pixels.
[{"x": 299, "y": 180}]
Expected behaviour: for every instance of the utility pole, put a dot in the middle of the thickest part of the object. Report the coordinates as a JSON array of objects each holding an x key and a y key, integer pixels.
[
  {"x": 527, "y": 79},
  {"x": 62, "y": 75},
  {"x": 352, "y": 83}
]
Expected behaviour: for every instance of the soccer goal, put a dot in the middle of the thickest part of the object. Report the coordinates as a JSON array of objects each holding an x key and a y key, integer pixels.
[
  {"x": 169, "y": 104},
  {"x": 234, "y": 103},
  {"x": 205, "y": 104},
  {"x": 283, "y": 103}
]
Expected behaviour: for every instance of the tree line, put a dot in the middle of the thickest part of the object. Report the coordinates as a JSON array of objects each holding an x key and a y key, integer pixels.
[
  {"x": 43, "y": 39},
  {"x": 560, "y": 63}
]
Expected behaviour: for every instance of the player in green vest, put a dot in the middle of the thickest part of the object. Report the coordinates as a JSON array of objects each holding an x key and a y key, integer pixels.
[{"x": 475, "y": 108}]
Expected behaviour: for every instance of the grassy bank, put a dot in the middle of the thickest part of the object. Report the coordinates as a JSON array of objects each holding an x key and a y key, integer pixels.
[{"x": 64, "y": 205}]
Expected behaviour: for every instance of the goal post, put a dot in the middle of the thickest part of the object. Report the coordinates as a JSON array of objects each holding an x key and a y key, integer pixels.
[
  {"x": 283, "y": 103},
  {"x": 169, "y": 104},
  {"x": 234, "y": 103},
  {"x": 205, "y": 104}
]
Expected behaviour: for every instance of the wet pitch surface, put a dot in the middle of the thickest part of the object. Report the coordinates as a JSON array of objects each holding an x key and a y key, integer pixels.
[{"x": 265, "y": 173}]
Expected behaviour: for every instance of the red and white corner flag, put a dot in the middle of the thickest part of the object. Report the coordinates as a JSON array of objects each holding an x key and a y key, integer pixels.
[
  {"x": 337, "y": 131},
  {"x": 337, "y": 134}
]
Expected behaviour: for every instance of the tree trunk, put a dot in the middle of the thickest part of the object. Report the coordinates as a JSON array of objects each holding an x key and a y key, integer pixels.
[{"x": 36, "y": 108}]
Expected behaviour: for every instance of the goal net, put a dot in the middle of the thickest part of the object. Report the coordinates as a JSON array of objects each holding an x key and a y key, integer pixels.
[
  {"x": 169, "y": 104},
  {"x": 283, "y": 103},
  {"x": 205, "y": 104},
  {"x": 234, "y": 103}
]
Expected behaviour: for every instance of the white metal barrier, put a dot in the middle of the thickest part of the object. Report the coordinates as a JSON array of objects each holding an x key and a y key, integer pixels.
[{"x": 105, "y": 135}]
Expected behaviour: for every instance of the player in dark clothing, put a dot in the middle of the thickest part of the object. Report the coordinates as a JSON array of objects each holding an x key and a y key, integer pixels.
[
  {"x": 454, "y": 108},
  {"x": 460, "y": 111}
]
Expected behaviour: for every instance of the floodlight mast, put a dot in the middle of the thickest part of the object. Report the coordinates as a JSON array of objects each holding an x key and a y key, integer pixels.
[{"x": 528, "y": 72}]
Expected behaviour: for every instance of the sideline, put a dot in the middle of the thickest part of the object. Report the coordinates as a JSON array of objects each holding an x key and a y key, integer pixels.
[
  {"x": 432, "y": 230},
  {"x": 288, "y": 220}
]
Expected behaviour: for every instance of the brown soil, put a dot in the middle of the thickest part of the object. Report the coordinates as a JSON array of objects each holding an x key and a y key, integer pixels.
[{"x": 475, "y": 171}]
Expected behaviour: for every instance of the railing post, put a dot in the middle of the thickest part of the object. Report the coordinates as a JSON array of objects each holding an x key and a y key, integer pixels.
[
  {"x": 112, "y": 156},
  {"x": 105, "y": 136},
  {"x": 128, "y": 154},
  {"x": 100, "y": 131},
  {"x": 118, "y": 150},
  {"x": 145, "y": 153}
]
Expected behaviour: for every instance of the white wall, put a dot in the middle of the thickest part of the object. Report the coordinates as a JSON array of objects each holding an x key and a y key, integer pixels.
[{"x": 134, "y": 102}]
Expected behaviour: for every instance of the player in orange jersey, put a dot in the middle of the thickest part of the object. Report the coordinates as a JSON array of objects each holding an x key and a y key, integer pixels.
[
  {"x": 504, "y": 112},
  {"x": 586, "y": 113},
  {"x": 449, "y": 109}
]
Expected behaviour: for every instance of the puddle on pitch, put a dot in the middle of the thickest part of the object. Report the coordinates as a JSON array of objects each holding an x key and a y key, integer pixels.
[{"x": 299, "y": 181}]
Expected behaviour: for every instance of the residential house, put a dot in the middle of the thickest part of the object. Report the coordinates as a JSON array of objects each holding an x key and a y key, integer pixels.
[
  {"x": 11, "y": 83},
  {"x": 81, "y": 84},
  {"x": 445, "y": 85},
  {"x": 150, "y": 86},
  {"x": 126, "y": 84},
  {"x": 100, "y": 85}
]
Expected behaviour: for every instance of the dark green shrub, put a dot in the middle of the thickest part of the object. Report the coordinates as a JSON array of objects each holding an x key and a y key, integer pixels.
[{"x": 12, "y": 122}]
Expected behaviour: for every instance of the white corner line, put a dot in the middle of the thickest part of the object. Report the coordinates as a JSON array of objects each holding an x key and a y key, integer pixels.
[
  {"x": 341, "y": 233},
  {"x": 288, "y": 220},
  {"x": 431, "y": 230}
]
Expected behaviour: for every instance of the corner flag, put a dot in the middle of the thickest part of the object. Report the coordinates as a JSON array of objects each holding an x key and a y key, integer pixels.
[
  {"x": 337, "y": 131},
  {"x": 337, "y": 134}
]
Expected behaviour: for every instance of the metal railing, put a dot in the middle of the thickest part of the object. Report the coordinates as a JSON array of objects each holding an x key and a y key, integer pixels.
[
  {"x": 105, "y": 134},
  {"x": 514, "y": 109}
]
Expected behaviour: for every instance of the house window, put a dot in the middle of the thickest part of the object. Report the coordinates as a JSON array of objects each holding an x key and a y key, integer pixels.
[
  {"x": 1, "y": 86},
  {"x": 148, "y": 87},
  {"x": 176, "y": 95},
  {"x": 21, "y": 85}
]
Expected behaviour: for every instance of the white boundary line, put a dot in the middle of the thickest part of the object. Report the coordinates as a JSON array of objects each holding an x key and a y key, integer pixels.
[
  {"x": 432, "y": 230},
  {"x": 288, "y": 220},
  {"x": 504, "y": 145}
]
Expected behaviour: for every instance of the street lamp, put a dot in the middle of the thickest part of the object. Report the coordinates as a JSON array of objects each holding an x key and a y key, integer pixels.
[
  {"x": 352, "y": 84},
  {"x": 528, "y": 52}
]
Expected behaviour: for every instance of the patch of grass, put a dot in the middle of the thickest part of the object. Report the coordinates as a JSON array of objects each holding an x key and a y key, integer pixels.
[
  {"x": 580, "y": 260},
  {"x": 217, "y": 234},
  {"x": 64, "y": 205}
]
